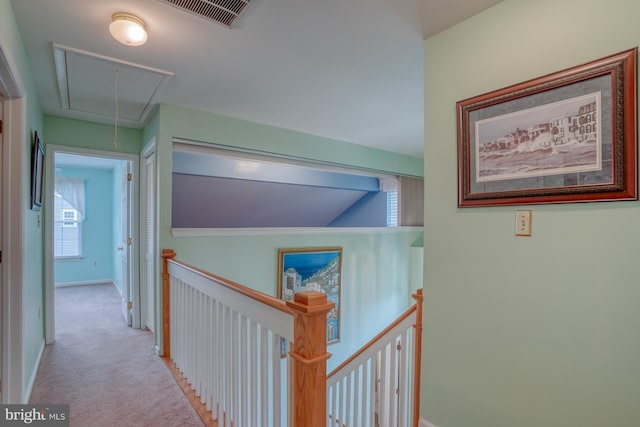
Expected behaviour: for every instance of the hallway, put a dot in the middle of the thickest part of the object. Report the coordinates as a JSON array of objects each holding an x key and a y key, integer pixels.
[{"x": 107, "y": 372}]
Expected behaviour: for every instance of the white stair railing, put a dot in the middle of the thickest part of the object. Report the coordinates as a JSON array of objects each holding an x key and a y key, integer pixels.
[
  {"x": 379, "y": 385},
  {"x": 224, "y": 341},
  {"x": 228, "y": 348}
]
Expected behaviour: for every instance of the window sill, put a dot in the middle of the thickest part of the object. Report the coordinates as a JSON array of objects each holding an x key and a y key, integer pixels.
[
  {"x": 68, "y": 258},
  {"x": 208, "y": 232}
]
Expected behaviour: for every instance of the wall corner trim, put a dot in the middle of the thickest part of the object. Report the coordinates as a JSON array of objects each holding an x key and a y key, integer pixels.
[
  {"x": 10, "y": 82},
  {"x": 32, "y": 378}
]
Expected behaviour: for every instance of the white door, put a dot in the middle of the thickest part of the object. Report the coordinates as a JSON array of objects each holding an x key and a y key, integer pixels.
[
  {"x": 149, "y": 250},
  {"x": 125, "y": 243}
]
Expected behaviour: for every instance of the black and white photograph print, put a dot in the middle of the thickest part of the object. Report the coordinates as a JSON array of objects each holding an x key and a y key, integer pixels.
[
  {"x": 565, "y": 137},
  {"x": 561, "y": 137}
]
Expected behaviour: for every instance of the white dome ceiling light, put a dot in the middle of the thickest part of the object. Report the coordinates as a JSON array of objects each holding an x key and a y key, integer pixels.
[{"x": 128, "y": 29}]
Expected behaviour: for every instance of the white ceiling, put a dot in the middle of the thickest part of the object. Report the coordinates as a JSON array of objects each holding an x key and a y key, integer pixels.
[{"x": 345, "y": 69}]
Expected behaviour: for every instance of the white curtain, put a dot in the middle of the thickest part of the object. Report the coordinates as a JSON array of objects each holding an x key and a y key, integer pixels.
[{"x": 72, "y": 191}]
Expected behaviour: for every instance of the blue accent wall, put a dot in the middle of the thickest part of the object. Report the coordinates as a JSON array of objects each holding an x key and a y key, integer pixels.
[
  {"x": 97, "y": 262},
  {"x": 369, "y": 211}
]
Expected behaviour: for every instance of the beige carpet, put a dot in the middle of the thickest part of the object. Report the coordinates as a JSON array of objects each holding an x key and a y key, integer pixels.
[{"x": 107, "y": 372}]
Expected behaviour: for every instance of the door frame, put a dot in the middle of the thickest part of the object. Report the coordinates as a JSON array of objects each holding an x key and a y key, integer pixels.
[
  {"x": 134, "y": 275},
  {"x": 126, "y": 233},
  {"x": 13, "y": 205}
]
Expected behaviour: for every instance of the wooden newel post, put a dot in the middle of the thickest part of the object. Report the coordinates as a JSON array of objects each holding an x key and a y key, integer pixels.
[
  {"x": 309, "y": 358},
  {"x": 167, "y": 254},
  {"x": 417, "y": 358}
]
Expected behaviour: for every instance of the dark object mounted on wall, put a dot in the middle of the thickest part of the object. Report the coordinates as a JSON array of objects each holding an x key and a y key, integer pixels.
[
  {"x": 37, "y": 165},
  {"x": 565, "y": 137}
]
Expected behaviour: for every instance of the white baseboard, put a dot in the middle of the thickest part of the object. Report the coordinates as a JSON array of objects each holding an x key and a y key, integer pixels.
[
  {"x": 85, "y": 282},
  {"x": 32, "y": 378},
  {"x": 115, "y": 285},
  {"x": 425, "y": 423}
]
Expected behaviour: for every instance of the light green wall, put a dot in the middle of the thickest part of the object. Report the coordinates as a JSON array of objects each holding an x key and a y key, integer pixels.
[
  {"x": 81, "y": 134},
  {"x": 151, "y": 129},
  {"x": 213, "y": 128},
  {"x": 32, "y": 271},
  {"x": 375, "y": 266},
  {"x": 538, "y": 331}
]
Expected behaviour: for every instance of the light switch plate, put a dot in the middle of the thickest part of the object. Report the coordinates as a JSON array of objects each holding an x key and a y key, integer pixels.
[{"x": 523, "y": 223}]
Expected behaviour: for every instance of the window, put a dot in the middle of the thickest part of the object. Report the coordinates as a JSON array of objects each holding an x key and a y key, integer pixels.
[
  {"x": 410, "y": 201},
  {"x": 392, "y": 209},
  {"x": 68, "y": 217}
]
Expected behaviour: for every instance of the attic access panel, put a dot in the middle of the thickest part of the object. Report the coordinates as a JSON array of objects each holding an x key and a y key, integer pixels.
[{"x": 88, "y": 83}]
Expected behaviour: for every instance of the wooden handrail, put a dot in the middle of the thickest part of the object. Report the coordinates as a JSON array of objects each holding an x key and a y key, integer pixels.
[
  {"x": 373, "y": 340},
  {"x": 244, "y": 290},
  {"x": 417, "y": 308},
  {"x": 168, "y": 256}
]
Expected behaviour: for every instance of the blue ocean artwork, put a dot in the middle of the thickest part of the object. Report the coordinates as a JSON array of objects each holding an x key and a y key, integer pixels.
[{"x": 315, "y": 271}]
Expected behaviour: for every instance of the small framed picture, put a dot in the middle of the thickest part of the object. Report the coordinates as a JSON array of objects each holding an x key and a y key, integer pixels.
[
  {"x": 37, "y": 165},
  {"x": 313, "y": 269}
]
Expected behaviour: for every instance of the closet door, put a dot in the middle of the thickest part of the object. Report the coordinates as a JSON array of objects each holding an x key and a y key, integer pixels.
[{"x": 149, "y": 237}]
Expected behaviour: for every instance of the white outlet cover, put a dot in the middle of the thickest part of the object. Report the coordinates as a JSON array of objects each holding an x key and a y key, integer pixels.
[{"x": 523, "y": 223}]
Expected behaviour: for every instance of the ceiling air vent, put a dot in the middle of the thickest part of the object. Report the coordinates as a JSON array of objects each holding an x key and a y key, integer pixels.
[{"x": 223, "y": 12}]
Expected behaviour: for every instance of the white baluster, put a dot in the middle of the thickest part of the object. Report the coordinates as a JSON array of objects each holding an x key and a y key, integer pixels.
[
  {"x": 264, "y": 377},
  {"x": 243, "y": 401},
  {"x": 393, "y": 383},
  {"x": 253, "y": 333},
  {"x": 235, "y": 372},
  {"x": 275, "y": 380}
]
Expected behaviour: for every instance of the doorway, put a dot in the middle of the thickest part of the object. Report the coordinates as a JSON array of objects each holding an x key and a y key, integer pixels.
[{"x": 91, "y": 239}]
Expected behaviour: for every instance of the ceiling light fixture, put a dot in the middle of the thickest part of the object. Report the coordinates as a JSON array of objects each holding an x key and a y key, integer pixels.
[{"x": 128, "y": 29}]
